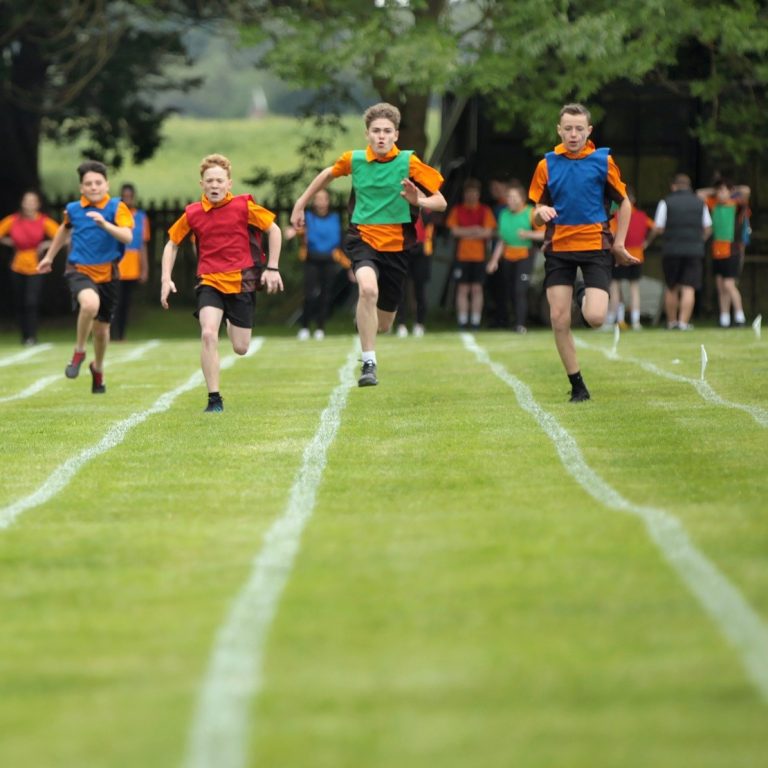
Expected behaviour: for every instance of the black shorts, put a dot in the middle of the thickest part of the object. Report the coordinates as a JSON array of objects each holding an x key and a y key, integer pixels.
[
  {"x": 391, "y": 268},
  {"x": 596, "y": 267},
  {"x": 730, "y": 267},
  {"x": 237, "y": 307},
  {"x": 683, "y": 270},
  {"x": 470, "y": 272},
  {"x": 632, "y": 272},
  {"x": 77, "y": 281}
]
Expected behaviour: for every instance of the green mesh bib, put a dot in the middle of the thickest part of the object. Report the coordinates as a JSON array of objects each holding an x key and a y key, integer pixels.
[
  {"x": 377, "y": 189},
  {"x": 724, "y": 222}
]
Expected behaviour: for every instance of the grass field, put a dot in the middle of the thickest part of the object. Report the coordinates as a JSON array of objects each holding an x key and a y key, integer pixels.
[{"x": 456, "y": 568}]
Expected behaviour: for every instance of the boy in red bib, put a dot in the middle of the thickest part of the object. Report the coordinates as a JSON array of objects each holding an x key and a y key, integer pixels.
[{"x": 227, "y": 273}]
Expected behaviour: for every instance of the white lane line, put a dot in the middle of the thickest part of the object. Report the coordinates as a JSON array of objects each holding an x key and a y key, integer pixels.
[
  {"x": 46, "y": 381},
  {"x": 724, "y": 603},
  {"x": 219, "y": 730},
  {"x": 760, "y": 415},
  {"x": 63, "y": 474},
  {"x": 20, "y": 357}
]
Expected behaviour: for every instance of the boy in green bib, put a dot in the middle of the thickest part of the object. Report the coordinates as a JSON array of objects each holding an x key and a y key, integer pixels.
[
  {"x": 517, "y": 234},
  {"x": 389, "y": 187}
]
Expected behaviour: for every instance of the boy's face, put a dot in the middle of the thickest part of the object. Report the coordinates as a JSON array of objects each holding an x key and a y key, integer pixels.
[
  {"x": 215, "y": 183},
  {"x": 514, "y": 200},
  {"x": 574, "y": 131},
  {"x": 127, "y": 196},
  {"x": 322, "y": 202},
  {"x": 94, "y": 187},
  {"x": 722, "y": 193},
  {"x": 471, "y": 196},
  {"x": 381, "y": 135}
]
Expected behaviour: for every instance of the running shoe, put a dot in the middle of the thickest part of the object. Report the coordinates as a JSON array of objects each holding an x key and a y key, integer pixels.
[
  {"x": 368, "y": 375},
  {"x": 73, "y": 368},
  {"x": 98, "y": 387}
]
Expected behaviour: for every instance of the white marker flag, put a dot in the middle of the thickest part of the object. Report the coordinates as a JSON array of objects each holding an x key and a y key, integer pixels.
[
  {"x": 616, "y": 337},
  {"x": 704, "y": 361},
  {"x": 756, "y": 326}
]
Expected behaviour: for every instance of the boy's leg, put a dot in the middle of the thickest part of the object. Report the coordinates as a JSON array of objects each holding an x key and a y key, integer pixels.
[
  {"x": 240, "y": 338},
  {"x": 687, "y": 300},
  {"x": 366, "y": 314},
  {"x": 88, "y": 301},
  {"x": 210, "y": 321},
  {"x": 477, "y": 298},
  {"x": 101, "y": 332},
  {"x": 560, "y": 298},
  {"x": 595, "y": 306},
  {"x": 462, "y": 303}
]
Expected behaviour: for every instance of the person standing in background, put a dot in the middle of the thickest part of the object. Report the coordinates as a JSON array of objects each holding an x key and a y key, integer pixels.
[
  {"x": 685, "y": 222},
  {"x": 134, "y": 266},
  {"x": 29, "y": 233}
]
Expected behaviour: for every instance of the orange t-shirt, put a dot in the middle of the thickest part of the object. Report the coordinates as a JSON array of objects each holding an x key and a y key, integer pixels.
[{"x": 462, "y": 215}]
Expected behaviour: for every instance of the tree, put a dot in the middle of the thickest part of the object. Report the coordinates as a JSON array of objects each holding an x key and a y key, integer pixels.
[
  {"x": 72, "y": 68},
  {"x": 528, "y": 57}
]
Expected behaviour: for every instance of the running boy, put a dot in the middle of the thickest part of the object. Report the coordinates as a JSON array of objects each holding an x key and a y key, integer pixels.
[
  {"x": 227, "y": 268},
  {"x": 100, "y": 227},
  {"x": 389, "y": 187},
  {"x": 573, "y": 188}
]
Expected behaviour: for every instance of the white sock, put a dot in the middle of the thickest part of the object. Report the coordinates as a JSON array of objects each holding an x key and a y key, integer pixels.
[
  {"x": 725, "y": 319},
  {"x": 476, "y": 317},
  {"x": 463, "y": 318},
  {"x": 739, "y": 317},
  {"x": 369, "y": 357},
  {"x": 620, "y": 313},
  {"x": 635, "y": 316}
]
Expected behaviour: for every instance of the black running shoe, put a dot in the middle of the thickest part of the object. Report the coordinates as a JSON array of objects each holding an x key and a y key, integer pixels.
[
  {"x": 215, "y": 405},
  {"x": 73, "y": 368},
  {"x": 579, "y": 395},
  {"x": 368, "y": 375},
  {"x": 98, "y": 387}
]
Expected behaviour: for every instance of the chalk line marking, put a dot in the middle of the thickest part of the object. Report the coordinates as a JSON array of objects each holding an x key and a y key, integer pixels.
[
  {"x": 219, "y": 731},
  {"x": 46, "y": 381},
  {"x": 20, "y": 357},
  {"x": 760, "y": 415},
  {"x": 61, "y": 476},
  {"x": 724, "y": 603}
]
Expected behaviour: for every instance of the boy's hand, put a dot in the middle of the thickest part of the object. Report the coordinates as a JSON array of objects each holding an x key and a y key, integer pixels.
[
  {"x": 410, "y": 192},
  {"x": 623, "y": 257},
  {"x": 546, "y": 213},
  {"x": 297, "y": 217},
  {"x": 97, "y": 218},
  {"x": 44, "y": 266},
  {"x": 167, "y": 287},
  {"x": 271, "y": 279}
]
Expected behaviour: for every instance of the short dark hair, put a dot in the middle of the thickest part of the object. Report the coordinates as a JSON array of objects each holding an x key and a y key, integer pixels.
[
  {"x": 91, "y": 166},
  {"x": 126, "y": 186},
  {"x": 575, "y": 109},
  {"x": 473, "y": 184},
  {"x": 682, "y": 180}
]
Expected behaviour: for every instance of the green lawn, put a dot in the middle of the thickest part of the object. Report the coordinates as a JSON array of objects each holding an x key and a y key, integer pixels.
[{"x": 458, "y": 598}]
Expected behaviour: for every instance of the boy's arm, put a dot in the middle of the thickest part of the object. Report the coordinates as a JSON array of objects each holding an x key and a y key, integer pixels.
[
  {"x": 434, "y": 202},
  {"x": 46, "y": 263},
  {"x": 270, "y": 275},
  {"x": 319, "y": 182},
  {"x": 705, "y": 192},
  {"x": 123, "y": 234},
  {"x": 144, "y": 264},
  {"x": 493, "y": 263},
  {"x": 620, "y": 253},
  {"x": 167, "y": 286}
]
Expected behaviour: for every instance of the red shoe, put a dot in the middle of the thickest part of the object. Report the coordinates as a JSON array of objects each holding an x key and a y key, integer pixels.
[
  {"x": 73, "y": 369},
  {"x": 98, "y": 387}
]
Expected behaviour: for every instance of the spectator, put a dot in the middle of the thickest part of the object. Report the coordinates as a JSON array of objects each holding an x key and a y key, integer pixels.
[{"x": 685, "y": 222}]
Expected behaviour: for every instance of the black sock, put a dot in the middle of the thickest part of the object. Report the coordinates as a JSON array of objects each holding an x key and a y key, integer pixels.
[
  {"x": 214, "y": 396},
  {"x": 576, "y": 381}
]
